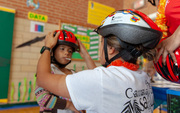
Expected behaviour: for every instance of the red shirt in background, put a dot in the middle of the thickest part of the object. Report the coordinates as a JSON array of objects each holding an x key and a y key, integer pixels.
[{"x": 172, "y": 13}]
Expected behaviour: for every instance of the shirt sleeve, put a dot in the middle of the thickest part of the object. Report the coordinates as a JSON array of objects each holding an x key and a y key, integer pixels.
[
  {"x": 47, "y": 100},
  {"x": 84, "y": 89}
]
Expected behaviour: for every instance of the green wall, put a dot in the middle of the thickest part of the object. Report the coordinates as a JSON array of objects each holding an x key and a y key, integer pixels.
[{"x": 6, "y": 36}]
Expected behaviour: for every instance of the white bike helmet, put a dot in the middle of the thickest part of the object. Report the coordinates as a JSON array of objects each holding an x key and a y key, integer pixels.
[{"x": 132, "y": 28}]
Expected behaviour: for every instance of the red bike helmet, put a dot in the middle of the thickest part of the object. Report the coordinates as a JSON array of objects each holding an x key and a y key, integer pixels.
[
  {"x": 67, "y": 38},
  {"x": 170, "y": 71},
  {"x": 132, "y": 28}
]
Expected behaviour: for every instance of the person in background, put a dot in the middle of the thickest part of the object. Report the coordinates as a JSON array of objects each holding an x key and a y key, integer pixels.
[
  {"x": 151, "y": 71},
  {"x": 61, "y": 57},
  {"x": 118, "y": 85},
  {"x": 167, "y": 61},
  {"x": 168, "y": 19}
]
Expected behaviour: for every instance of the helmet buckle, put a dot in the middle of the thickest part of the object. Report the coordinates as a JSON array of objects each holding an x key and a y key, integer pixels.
[{"x": 135, "y": 52}]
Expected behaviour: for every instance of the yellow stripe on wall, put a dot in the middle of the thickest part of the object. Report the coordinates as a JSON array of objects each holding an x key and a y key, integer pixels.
[
  {"x": 3, "y": 100},
  {"x": 7, "y": 9}
]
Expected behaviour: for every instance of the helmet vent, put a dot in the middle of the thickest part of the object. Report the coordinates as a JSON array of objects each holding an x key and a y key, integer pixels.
[{"x": 64, "y": 33}]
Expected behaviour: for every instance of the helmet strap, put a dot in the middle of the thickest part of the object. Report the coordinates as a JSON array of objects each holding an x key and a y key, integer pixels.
[
  {"x": 128, "y": 53},
  {"x": 129, "y": 47},
  {"x": 106, "y": 52},
  {"x": 123, "y": 53}
]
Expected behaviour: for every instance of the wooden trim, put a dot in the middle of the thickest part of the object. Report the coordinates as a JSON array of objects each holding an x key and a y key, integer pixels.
[
  {"x": 7, "y": 9},
  {"x": 3, "y": 100},
  {"x": 80, "y": 24},
  {"x": 59, "y": 24}
]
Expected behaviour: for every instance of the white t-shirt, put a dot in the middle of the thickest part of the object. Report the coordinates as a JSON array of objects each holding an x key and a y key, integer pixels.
[{"x": 111, "y": 90}]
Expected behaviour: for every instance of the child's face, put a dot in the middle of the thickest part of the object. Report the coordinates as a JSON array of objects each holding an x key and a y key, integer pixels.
[
  {"x": 101, "y": 51},
  {"x": 63, "y": 53}
]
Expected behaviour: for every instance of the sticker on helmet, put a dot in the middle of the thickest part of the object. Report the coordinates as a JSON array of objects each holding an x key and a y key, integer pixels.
[
  {"x": 103, "y": 22},
  {"x": 127, "y": 12},
  {"x": 112, "y": 14},
  {"x": 135, "y": 18}
]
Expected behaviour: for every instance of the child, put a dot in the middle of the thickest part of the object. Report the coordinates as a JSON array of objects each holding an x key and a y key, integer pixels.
[
  {"x": 61, "y": 57},
  {"x": 119, "y": 86}
]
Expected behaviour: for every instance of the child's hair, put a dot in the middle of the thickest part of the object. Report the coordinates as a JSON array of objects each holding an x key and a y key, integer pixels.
[{"x": 146, "y": 53}]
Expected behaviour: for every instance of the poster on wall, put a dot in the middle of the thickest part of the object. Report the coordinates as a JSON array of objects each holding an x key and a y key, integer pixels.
[
  {"x": 37, "y": 27},
  {"x": 98, "y": 12},
  {"x": 88, "y": 37}
]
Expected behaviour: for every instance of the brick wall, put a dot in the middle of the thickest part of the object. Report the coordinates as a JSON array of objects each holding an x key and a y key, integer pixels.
[
  {"x": 68, "y": 11},
  {"x": 147, "y": 9}
]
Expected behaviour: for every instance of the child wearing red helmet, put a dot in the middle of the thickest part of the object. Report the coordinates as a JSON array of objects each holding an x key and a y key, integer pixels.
[
  {"x": 118, "y": 86},
  {"x": 61, "y": 57}
]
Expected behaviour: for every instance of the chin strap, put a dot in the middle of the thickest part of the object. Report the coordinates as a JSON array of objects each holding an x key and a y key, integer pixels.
[
  {"x": 128, "y": 53},
  {"x": 106, "y": 52}
]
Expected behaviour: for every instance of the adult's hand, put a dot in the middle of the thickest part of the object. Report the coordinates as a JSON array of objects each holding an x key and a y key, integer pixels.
[
  {"x": 168, "y": 46},
  {"x": 69, "y": 105},
  {"x": 51, "y": 40}
]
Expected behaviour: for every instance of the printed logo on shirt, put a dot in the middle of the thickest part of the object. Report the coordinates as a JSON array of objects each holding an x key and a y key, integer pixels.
[{"x": 143, "y": 100}]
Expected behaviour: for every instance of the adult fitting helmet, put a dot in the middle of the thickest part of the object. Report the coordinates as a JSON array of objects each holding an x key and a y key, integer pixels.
[
  {"x": 170, "y": 71},
  {"x": 131, "y": 28},
  {"x": 65, "y": 38}
]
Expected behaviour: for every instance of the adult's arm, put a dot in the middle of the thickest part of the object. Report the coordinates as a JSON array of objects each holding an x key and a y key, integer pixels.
[{"x": 85, "y": 55}]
